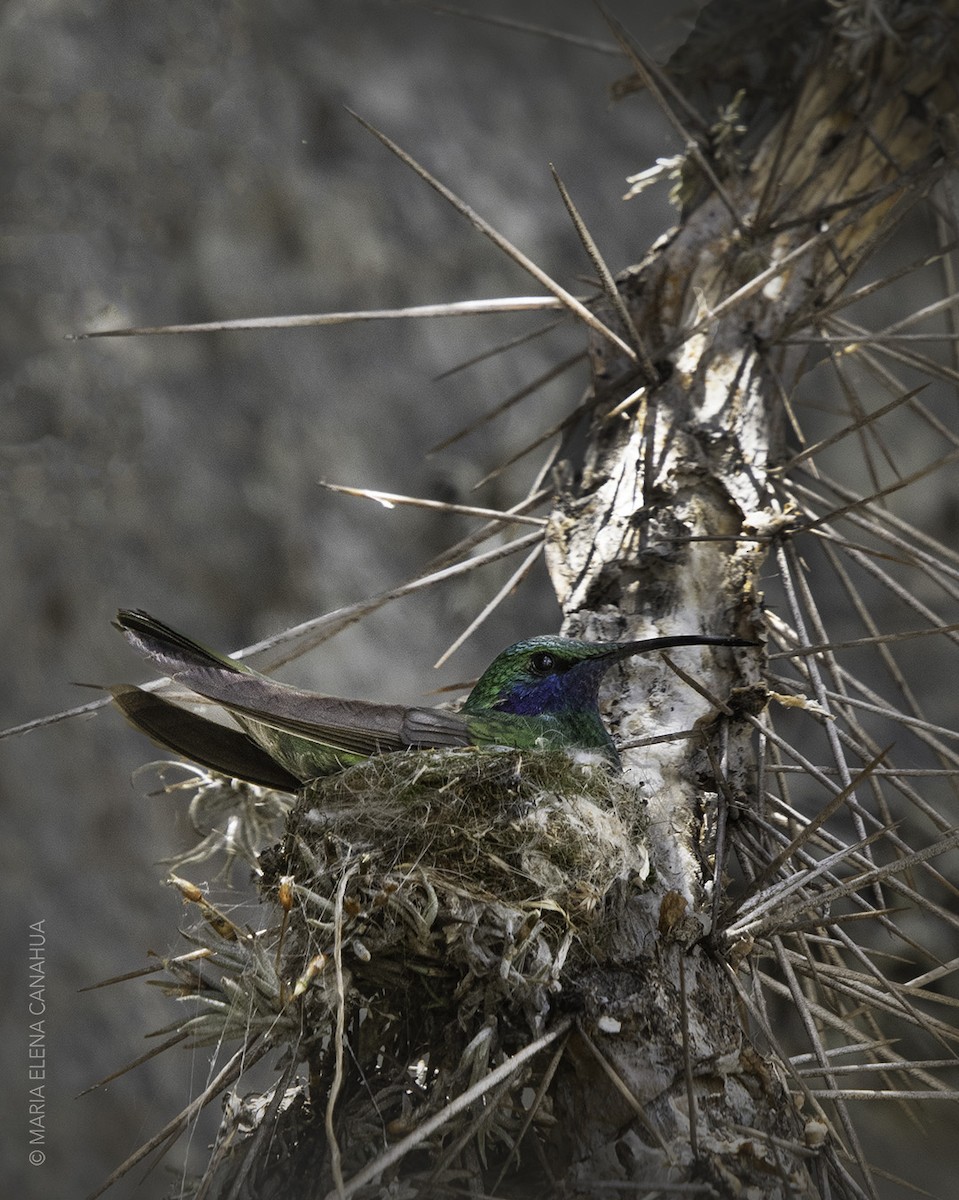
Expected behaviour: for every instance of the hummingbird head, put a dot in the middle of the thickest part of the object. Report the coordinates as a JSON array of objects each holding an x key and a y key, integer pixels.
[
  {"x": 545, "y": 675},
  {"x": 546, "y": 689},
  {"x": 560, "y": 677}
]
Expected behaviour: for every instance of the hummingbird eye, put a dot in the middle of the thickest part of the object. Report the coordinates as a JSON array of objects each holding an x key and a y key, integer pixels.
[{"x": 542, "y": 663}]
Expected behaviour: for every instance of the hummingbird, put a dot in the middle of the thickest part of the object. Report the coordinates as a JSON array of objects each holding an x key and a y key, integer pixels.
[{"x": 539, "y": 693}]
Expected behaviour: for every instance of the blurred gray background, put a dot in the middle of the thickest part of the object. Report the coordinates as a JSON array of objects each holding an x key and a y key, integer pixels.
[{"x": 184, "y": 162}]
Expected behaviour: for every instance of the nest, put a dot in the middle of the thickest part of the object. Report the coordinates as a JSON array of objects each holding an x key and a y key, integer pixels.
[
  {"x": 434, "y": 905},
  {"x": 479, "y": 864}
]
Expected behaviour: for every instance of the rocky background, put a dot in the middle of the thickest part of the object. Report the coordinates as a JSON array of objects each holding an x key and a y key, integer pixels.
[{"x": 184, "y": 162}]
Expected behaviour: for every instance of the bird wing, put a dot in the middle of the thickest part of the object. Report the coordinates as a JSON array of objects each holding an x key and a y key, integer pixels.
[
  {"x": 173, "y": 651},
  {"x": 208, "y": 743},
  {"x": 307, "y": 733},
  {"x": 435, "y": 728},
  {"x": 354, "y": 726}
]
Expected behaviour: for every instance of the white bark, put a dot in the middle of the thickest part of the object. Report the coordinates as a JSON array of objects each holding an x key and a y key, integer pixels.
[{"x": 662, "y": 533}]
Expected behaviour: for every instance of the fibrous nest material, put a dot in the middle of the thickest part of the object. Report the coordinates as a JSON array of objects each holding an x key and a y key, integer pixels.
[
  {"x": 432, "y": 904},
  {"x": 519, "y": 827},
  {"x": 484, "y": 867}
]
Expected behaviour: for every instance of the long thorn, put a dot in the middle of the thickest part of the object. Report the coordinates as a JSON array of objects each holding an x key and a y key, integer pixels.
[{"x": 478, "y": 222}]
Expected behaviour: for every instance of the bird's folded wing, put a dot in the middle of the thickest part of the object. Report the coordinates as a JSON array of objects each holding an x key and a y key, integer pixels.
[
  {"x": 435, "y": 728},
  {"x": 174, "y": 651},
  {"x": 208, "y": 743},
  {"x": 355, "y": 726}
]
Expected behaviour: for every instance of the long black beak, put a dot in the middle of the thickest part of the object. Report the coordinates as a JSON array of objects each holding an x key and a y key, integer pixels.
[{"x": 627, "y": 649}]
